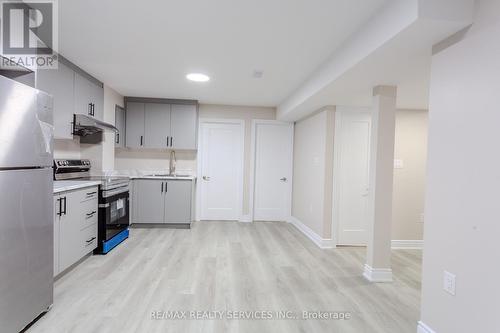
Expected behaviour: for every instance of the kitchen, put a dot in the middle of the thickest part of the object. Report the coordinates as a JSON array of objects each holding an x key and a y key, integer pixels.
[
  {"x": 213, "y": 166},
  {"x": 154, "y": 142}
]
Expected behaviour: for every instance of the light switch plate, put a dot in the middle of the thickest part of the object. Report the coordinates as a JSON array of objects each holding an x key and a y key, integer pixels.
[
  {"x": 449, "y": 283},
  {"x": 398, "y": 164}
]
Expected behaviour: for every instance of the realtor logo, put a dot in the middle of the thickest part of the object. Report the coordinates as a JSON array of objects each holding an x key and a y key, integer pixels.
[{"x": 29, "y": 33}]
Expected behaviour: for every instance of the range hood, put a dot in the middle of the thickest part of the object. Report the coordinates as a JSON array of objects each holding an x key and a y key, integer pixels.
[
  {"x": 90, "y": 129},
  {"x": 84, "y": 125}
]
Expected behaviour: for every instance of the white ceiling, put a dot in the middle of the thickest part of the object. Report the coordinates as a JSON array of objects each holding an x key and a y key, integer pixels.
[{"x": 145, "y": 48}]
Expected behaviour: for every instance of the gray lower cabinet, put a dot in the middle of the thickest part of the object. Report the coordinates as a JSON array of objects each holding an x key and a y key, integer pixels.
[
  {"x": 57, "y": 225},
  {"x": 134, "y": 125},
  {"x": 150, "y": 200},
  {"x": 59, "y": 83},
  {"x": 161, "y": 201},
  {"x": 178, "y": 195},
  {"x": 75, "y": 226},
  {"x": 120, "y": 124}
]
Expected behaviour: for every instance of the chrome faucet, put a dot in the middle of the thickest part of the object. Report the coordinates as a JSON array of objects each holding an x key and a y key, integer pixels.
[{"x": 173, "y": 162}]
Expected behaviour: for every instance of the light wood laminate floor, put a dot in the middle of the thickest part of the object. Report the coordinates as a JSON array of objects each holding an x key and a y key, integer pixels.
[{"x": 231, "y": 266}]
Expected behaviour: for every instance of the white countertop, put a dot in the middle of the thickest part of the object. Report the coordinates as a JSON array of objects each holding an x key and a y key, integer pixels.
[
  {"x": 165, "y": 177},
  {"x": 69, "y": 185}
]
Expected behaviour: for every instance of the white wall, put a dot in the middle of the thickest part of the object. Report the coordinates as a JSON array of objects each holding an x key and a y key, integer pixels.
[
  {"x": 409, "y": 181},
  {"x": 313, "y": 151},
  {"x": 313, "y": 172},
  {"x": 462, "y": 226},
  {"x": 67, "y": 149}
]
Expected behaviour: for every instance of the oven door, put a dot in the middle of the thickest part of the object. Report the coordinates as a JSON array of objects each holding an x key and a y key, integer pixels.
[{"x": 115, "y": 212}]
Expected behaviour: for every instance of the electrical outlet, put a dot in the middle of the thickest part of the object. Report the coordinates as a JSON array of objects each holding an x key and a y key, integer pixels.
[{"x": 449, "y": 283}]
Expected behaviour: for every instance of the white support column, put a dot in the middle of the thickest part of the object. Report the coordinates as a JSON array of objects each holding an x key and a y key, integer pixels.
[{"x": 378, "y": 259}]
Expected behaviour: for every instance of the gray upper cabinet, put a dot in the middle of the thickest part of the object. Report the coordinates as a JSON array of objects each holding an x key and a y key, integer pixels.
[
  {"x": 157, "y": 125},
  {"x": 184, "y": 125},
  {"x": 178, "y": 201},
  {"x": 98, "y": 100},
  {"x": 162, "y": 125},
  {"x": 73, "y": 92},
  {"x": 134, "y": 125},
  {"x": 89, "y": 97},
  {"x": 120, "y": 124},
  {"x": 59, "y": 83}
]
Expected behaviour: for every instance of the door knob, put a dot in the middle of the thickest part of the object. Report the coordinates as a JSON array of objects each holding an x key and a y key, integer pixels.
[
  {"x": 283, "y": 179},
  {"x": 206, "y": 178}
]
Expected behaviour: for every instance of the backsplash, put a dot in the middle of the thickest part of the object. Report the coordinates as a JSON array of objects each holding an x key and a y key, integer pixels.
[
  {"x": 140, "y": 161},
  {"x": 67, "y": 149}
]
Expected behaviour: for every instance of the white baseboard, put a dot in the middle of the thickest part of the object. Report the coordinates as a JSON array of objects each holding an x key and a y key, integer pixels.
[
  {"x": 407, "y": 244},
  {"x": 377, "y": 274},
  {"x": 423, "y": 328},
  {"x": 246, "y": 218},
  {"x": 322, "y": 243}
]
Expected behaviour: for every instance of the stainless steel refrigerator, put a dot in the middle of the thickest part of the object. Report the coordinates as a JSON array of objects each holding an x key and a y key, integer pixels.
[{"x": 26, "y": 217}]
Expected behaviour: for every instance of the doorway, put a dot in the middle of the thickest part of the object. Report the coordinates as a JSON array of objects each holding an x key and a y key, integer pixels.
[
  {"x": 220, "y": 169},
  {"x": 351, "y": 175},
  {"x": 271, "y": 174}
]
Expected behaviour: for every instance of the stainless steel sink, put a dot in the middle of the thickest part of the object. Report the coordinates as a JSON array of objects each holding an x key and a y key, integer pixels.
[{"x": 166, "y": 175}]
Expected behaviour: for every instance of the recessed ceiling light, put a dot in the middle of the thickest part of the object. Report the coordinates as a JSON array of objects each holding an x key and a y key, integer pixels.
[{"x": 198, "y": 77}]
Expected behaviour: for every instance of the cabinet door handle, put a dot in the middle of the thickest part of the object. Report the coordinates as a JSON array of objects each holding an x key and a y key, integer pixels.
[
  {"x": 167, "y": 141},
  {"x": 117, "y": 137},
  {"x": 166, "y": 187},
  {"x": 141, "y": 140},
  {"x": 59, "y": 213},
  {"x": 161, "y": 187},
  {"x": 171, "y": 141},
  {"x": 90, "y": 109},
  {"x": 90, "y": 240},
  {"x": 91, "y": 193},
  {"x": 91, "y": 214},
  {"x": 64, "y": 205}
]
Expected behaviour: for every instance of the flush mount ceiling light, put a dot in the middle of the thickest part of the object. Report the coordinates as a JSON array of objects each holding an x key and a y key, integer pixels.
[{"x": 197, "y": 77}]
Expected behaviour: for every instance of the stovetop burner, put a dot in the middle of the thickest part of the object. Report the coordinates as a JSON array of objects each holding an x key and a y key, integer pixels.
[{"x": 80, "y": 169}]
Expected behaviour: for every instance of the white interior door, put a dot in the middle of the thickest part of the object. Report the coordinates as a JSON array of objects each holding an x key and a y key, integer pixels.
[
  {"x": 221, "y": 170},
  {"x": 273, "y": 170},
  {"x": 352, "y": 145}
]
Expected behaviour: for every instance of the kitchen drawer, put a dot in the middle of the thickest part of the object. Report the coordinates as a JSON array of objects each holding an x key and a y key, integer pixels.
[
  {"x": 87, "y": 194},
  {"x": 89, "y": 213},
  {"x": 88, "y": 240}
]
